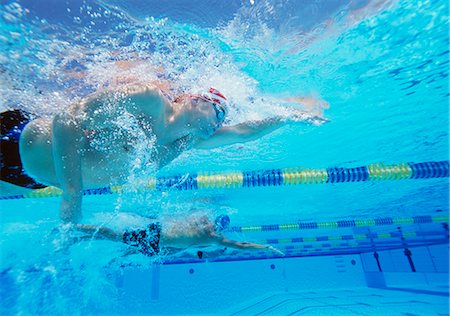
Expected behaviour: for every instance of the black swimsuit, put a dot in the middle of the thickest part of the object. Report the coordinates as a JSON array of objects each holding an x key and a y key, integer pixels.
[
  {"x": 145, "y": 240},
  {"x": 12, "y": 125}
]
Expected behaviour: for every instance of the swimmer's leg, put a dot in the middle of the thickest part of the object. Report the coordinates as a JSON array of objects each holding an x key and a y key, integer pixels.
[{"x": 99, "y": 232}]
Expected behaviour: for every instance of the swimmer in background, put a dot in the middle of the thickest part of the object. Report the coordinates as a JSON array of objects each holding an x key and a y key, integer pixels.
[
  {"x": 192, "y": 232},
  {"x": 87, "y": 145}
]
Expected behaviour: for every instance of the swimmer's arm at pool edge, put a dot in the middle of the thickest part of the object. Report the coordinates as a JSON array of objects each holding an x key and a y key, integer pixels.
[{"x": 219, "y": 239}]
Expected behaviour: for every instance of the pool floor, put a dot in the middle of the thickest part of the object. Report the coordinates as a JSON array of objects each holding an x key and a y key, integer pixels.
[
  {"x": 325, "y": 285},
  {"x": 430, "y": 300}
]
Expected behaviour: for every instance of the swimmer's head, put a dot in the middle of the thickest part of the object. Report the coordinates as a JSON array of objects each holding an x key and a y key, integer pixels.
[
  {"x": 212, "y": 108},
  {"x": 207, "y": 111},
  {"x": 217, "y": 100},
  {"x": 221, "y": 222}
]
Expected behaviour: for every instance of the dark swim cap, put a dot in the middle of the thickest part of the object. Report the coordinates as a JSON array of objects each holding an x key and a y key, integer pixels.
[{"x": 222, "y": 222}]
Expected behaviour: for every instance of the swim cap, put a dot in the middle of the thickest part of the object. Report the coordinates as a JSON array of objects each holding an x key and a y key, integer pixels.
[
  {"x": 214, "y": 96},
  {"x": 217, "y": 100},
  {"x": 217, "y": 96},
  {"x": 222, "y": 222}
]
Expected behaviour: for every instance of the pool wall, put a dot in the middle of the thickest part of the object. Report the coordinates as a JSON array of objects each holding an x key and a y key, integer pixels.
[{"x": 211, "y": 287}]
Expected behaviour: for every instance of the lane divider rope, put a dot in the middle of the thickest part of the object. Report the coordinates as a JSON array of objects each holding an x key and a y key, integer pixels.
[
  {"x": 266, "y": 178},
  {"x": 361, "y": 238},
  {"x": 420, "y": 219}
]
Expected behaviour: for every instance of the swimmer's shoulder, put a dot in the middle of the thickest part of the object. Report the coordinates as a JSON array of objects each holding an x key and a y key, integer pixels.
[
  {"x": 146, "y": 99},
  {"x": 132, "y": 92}
]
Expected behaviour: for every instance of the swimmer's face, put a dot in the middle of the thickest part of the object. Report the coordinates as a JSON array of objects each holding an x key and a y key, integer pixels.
[{"x": 208, "y": 118}]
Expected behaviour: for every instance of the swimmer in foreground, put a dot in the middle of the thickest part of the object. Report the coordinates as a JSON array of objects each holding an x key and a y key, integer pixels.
[
  {"x": 93, "y": 143},
  {"x": 193, "y": 231}
]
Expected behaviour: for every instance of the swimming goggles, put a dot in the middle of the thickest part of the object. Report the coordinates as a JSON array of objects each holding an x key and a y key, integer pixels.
[{"x": 218, "y": 109}]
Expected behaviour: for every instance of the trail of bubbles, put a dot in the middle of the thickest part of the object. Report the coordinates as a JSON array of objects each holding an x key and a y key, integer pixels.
[{"x": 40, "y": 277}]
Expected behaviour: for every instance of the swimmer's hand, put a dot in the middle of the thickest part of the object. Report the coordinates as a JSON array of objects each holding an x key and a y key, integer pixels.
[
  {"x": 312, "y": 110},
  {"x": 314, "y": 106},
  {"x": 275, "y": 250},
  {"x": 303, "y": 116}
]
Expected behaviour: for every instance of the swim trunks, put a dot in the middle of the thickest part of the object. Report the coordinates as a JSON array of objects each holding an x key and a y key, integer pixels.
[
  {"x": 12, "y": 124},
  {"x": 145, "y": 240}
]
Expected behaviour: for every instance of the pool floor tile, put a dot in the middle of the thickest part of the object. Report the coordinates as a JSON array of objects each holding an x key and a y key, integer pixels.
[{"x": 355, "y": 301}]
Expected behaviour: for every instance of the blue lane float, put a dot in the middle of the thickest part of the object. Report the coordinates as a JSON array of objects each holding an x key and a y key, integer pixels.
[{"x": 266, "y": 178}]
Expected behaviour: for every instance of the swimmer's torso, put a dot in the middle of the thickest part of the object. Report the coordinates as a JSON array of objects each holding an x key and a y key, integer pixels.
[
  {"x": 117, "y": 134},
  {"x": 186, "y": 234}
]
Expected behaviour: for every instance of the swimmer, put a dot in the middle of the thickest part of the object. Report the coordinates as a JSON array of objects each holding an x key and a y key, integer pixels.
[
  {"x": 88, "y": 144},
  {"x": 193, "y": 232}
]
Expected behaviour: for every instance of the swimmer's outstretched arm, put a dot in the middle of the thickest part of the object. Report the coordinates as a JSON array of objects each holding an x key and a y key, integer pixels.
[
  {"x": 245, "y": 132},
  {"x": 241, "y": 133},
  {"x": 245, "y": 245}
]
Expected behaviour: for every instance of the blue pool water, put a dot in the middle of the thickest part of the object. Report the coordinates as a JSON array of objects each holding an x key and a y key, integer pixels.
[{"x": 382, "y": 66}]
